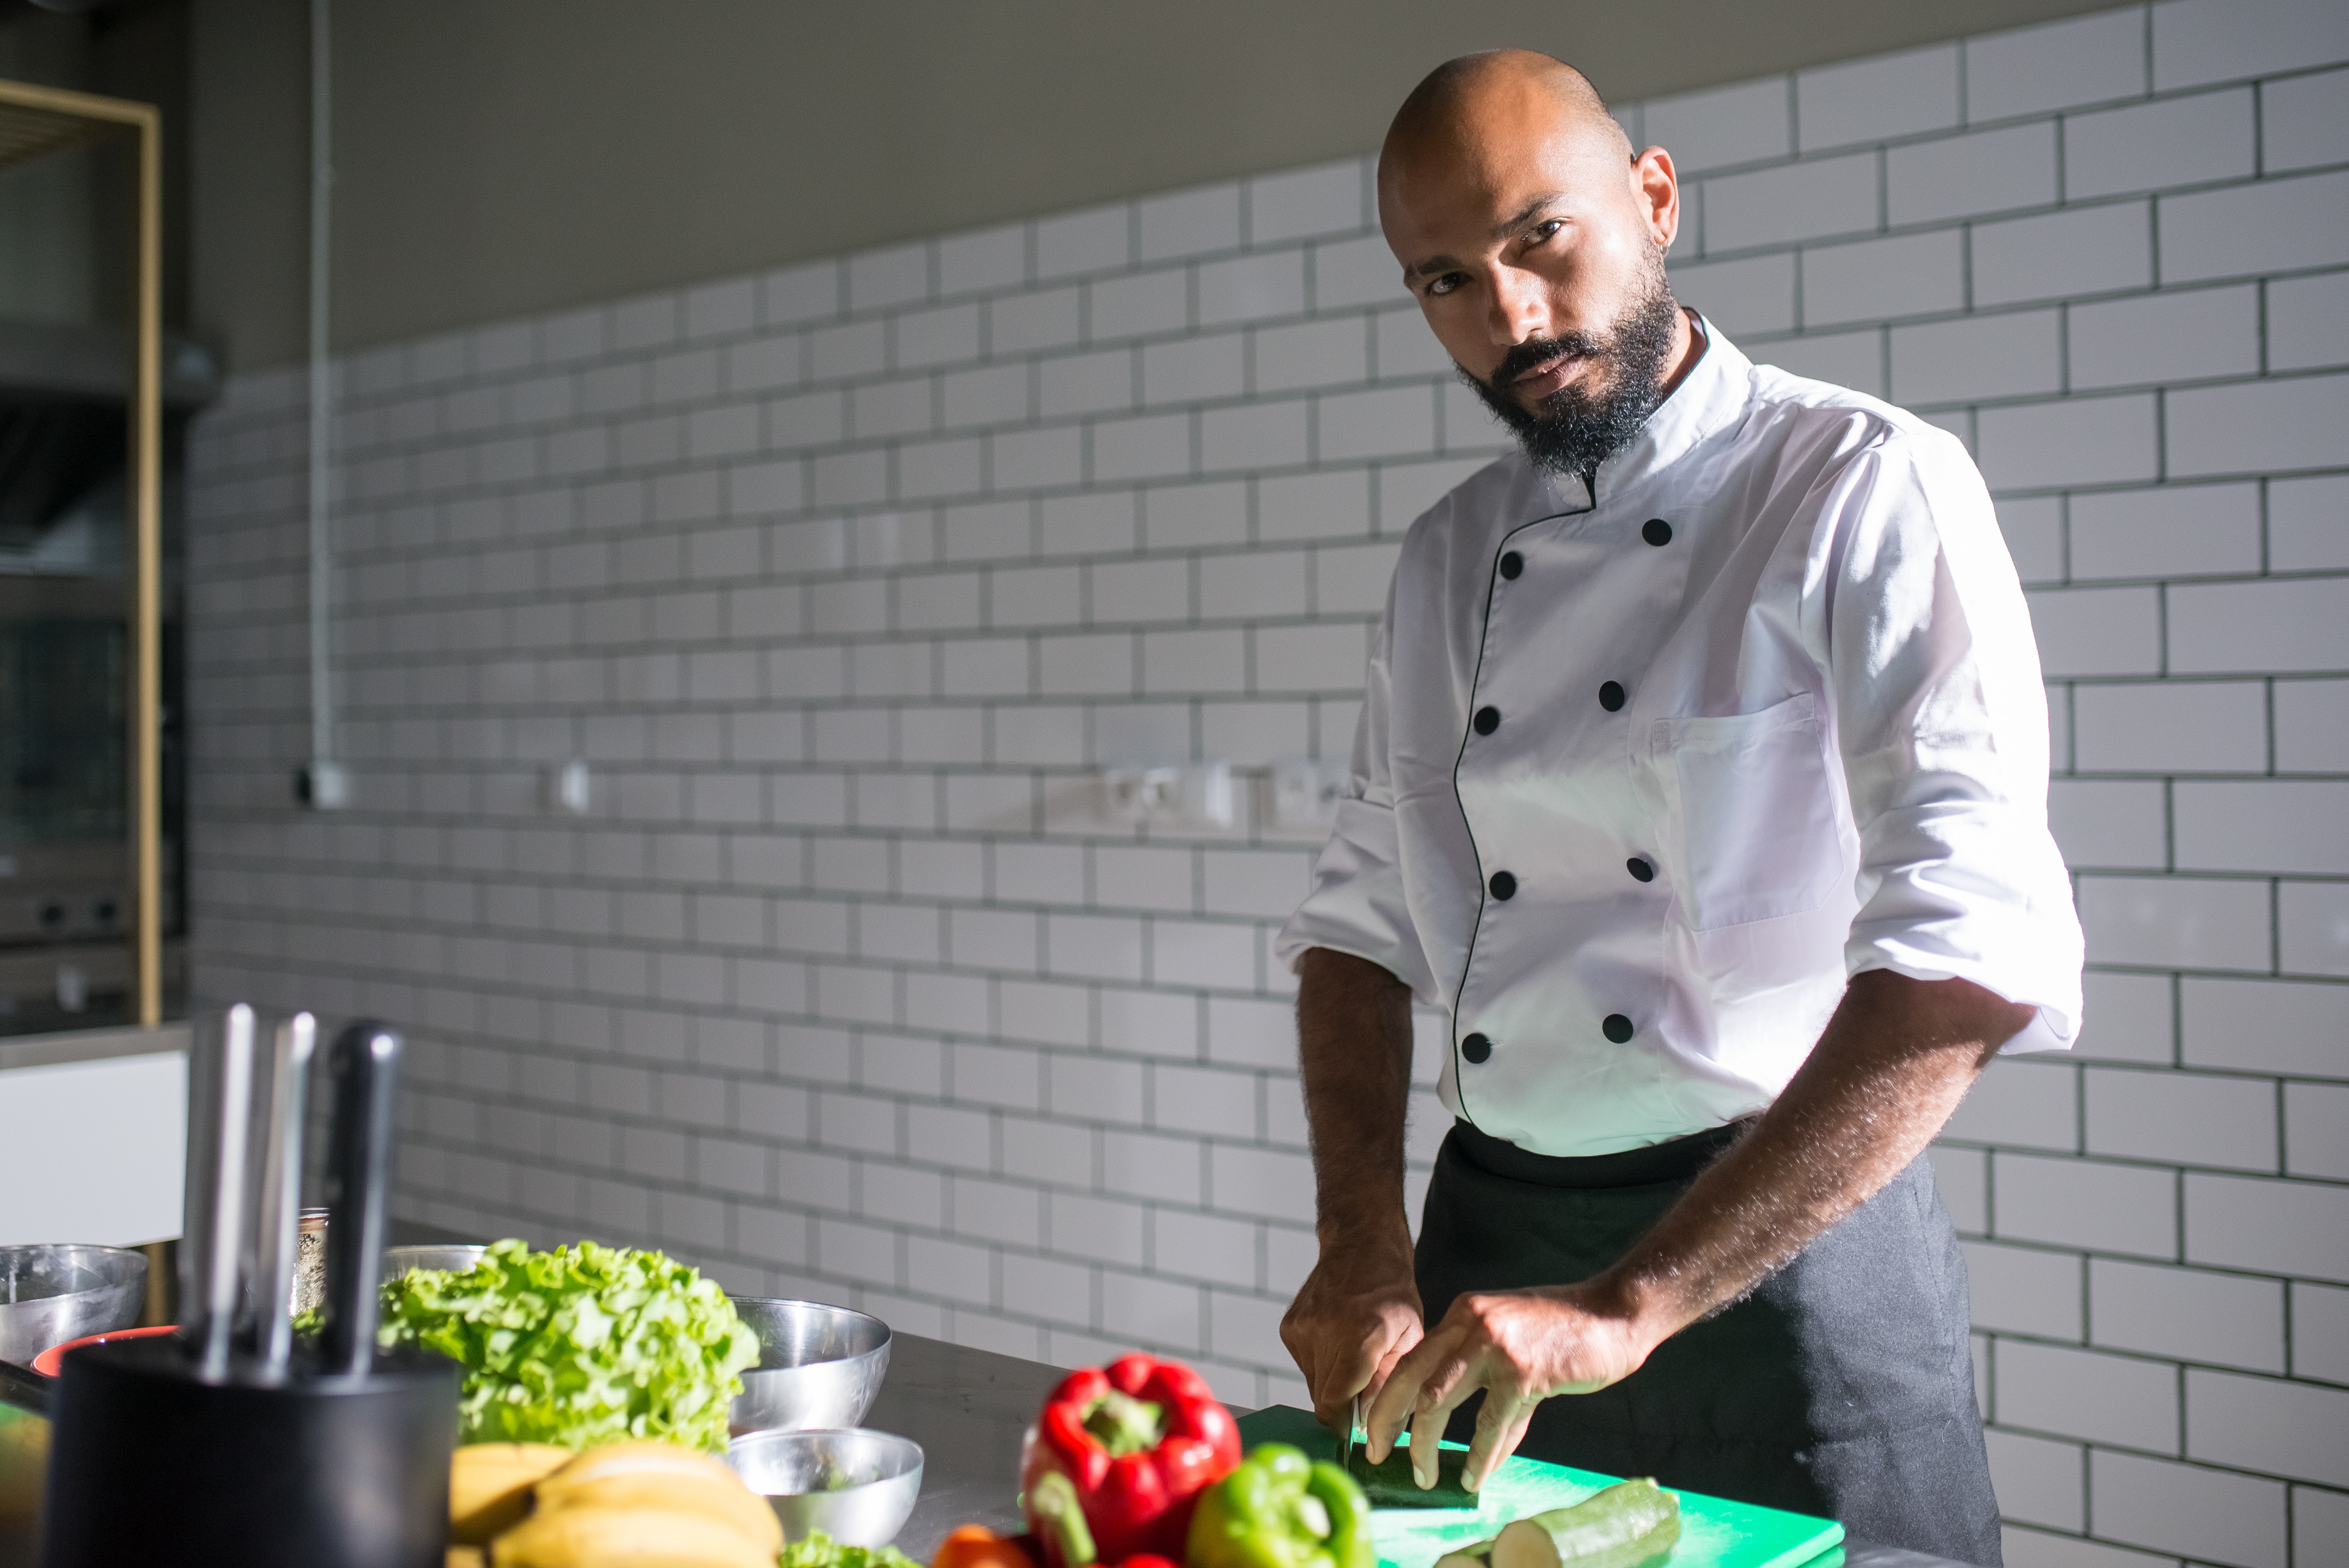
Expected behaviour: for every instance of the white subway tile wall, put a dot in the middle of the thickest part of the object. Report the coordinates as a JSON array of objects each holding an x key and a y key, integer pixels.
[{"x": 845, "y": 580}]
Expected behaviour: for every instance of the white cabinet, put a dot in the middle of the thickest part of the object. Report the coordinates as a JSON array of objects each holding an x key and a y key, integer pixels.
[{"x": 93, "y": 1136}]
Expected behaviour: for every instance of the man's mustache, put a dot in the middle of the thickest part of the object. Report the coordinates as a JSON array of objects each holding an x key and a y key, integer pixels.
[{"x": 1536, "y": 352}]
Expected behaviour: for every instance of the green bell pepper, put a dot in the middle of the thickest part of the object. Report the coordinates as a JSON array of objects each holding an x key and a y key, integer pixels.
[{"x": 1282, "y": 1510}]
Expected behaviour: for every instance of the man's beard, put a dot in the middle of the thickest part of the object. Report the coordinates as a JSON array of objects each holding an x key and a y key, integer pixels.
[{"x": 1576, "y": 428}]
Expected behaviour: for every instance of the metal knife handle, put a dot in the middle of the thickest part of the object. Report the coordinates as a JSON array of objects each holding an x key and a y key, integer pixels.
[
  {"x": 196, "y": 1181},
  {"x": 220, "y": 1113},
  {"x": 366, "y": 1064},
  {"x": 281, "y": 1190}
]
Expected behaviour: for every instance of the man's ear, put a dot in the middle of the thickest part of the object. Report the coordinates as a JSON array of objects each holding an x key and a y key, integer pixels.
[{"x": 1657, "y": 185}]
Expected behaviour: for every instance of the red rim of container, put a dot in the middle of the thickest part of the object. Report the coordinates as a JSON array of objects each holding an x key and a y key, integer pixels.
[{"x": 49, "y": 1362}]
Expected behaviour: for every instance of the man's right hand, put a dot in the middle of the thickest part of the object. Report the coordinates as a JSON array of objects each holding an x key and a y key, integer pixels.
[{"x": 1356, "y": 1316}]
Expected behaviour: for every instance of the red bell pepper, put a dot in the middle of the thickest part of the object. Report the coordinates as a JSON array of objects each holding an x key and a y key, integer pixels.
[
  {"x": 1066, "y": 1539},
  {"x": 1139, "y": 1439}
]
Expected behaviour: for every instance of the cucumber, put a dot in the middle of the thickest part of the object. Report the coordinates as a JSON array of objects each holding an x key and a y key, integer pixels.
[
  {"x": 1629, "y": 1523},
  {"x": 1392, "y": 1485}
]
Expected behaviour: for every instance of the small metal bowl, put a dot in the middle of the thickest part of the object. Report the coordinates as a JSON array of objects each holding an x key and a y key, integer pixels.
[
  {"x": 50, "y": 1294},
  {"x": 857, "y": 1487},
  {"x": 398, "y": 1261},
  {"x": 819, "y": 1367}
]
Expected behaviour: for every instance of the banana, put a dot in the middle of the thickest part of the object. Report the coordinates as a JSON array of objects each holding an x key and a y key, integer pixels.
[
  {"x": 488, "y": 1486},
  {"x": 594, "y": 1537}
]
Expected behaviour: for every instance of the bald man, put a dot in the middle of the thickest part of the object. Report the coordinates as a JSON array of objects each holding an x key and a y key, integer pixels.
[{"x": 1700, "y": 784}]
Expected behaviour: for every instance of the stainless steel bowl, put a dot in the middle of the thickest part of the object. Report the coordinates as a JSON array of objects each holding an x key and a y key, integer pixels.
[
  {"x": 51, "y": 1294},
  {"x": 818, "y": 1366},
  {"x": 857, "y": 1487},
  {"x": 398, "y": 1261}
]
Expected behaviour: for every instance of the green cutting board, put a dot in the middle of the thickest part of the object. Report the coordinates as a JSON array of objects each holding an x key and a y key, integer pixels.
[{"x": 1715, "y": 1533}]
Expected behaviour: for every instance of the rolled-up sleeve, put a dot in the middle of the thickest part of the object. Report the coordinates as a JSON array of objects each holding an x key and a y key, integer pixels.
[
  {"x": 1359, "y": 904},
  {"x": 1942, "y": 719}
]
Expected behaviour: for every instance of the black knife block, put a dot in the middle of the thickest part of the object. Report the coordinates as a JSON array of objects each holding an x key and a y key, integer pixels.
[
  {"x": 338, "y": 1458},
  {"x": 149, "y": 1463}
]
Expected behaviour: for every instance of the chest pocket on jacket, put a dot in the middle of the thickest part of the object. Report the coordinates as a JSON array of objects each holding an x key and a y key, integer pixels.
[{"x": 1757, "y": 834}]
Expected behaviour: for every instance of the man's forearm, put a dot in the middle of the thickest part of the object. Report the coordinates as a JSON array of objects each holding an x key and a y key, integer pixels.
[
  {"x": 1892, "y": 1064},
  {"x": 1359, "y": 1310},
  {"x": 1353, "y": 1046}
]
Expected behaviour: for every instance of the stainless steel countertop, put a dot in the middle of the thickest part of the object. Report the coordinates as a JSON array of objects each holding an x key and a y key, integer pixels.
[{"x": 968, "y": 1409}]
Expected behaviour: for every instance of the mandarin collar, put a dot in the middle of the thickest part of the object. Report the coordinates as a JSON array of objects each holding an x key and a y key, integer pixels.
[{"x": 1711, "y": 397}]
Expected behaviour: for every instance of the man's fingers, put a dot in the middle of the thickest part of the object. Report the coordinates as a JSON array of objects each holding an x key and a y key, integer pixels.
[
  {"x": 1445, "y": 1388},
  {"x": 1398, "y": 1395},
  {"x": 1500, "y": 1427},
  {"x": 1404, "y": 1344},
  {"x": 1426, "y": 1447}
]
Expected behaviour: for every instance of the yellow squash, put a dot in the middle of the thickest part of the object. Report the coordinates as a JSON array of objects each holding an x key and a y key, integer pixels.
[
  {"x": 634, "y": 1537},
  {"x": 636, "y": 1458},
  {"x": 729, "y": 1501}
]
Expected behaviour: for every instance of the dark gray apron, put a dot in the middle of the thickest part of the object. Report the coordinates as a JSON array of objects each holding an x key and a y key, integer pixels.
[{"x": 1842, "y": 1386}]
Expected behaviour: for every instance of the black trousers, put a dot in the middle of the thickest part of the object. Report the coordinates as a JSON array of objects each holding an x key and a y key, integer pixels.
[{"x": 1842, "y": 1386}]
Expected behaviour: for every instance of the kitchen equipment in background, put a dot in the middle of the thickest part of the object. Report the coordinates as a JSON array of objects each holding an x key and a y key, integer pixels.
[
  {"x": 339, "y": 1456},
  {"x": 49, "y": 1295},
  {"x": 819, "y": 1367},
  {"x": 398, "y": 1261},
  {"x": 90, "y": 681},
  {"x": 310, "y": 1263},
  {"x": 857, "y": 1487}
]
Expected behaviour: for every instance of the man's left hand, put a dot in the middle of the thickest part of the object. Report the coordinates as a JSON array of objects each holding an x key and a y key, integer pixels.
[{"x": 1519, "y": 1346}]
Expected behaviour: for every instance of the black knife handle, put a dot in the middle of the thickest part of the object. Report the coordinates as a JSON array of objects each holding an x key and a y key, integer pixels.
[{"x": 365, "y": 1066}]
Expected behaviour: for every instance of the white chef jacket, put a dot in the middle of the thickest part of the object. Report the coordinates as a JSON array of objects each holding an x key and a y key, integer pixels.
[{"x": 1642, "y": 777}]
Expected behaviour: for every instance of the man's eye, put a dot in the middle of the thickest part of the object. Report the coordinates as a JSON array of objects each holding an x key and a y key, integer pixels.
[
  {"x": 1446, "y": 283},
  {"x": 1544, "y": 231}
]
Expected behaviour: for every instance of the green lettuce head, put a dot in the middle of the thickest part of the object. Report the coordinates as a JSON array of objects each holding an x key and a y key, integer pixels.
[{"x": 580, "y": 1346}]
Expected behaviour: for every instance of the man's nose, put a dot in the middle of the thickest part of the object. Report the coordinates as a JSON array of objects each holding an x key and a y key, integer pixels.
[{"x": 1520, "y": 308}]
